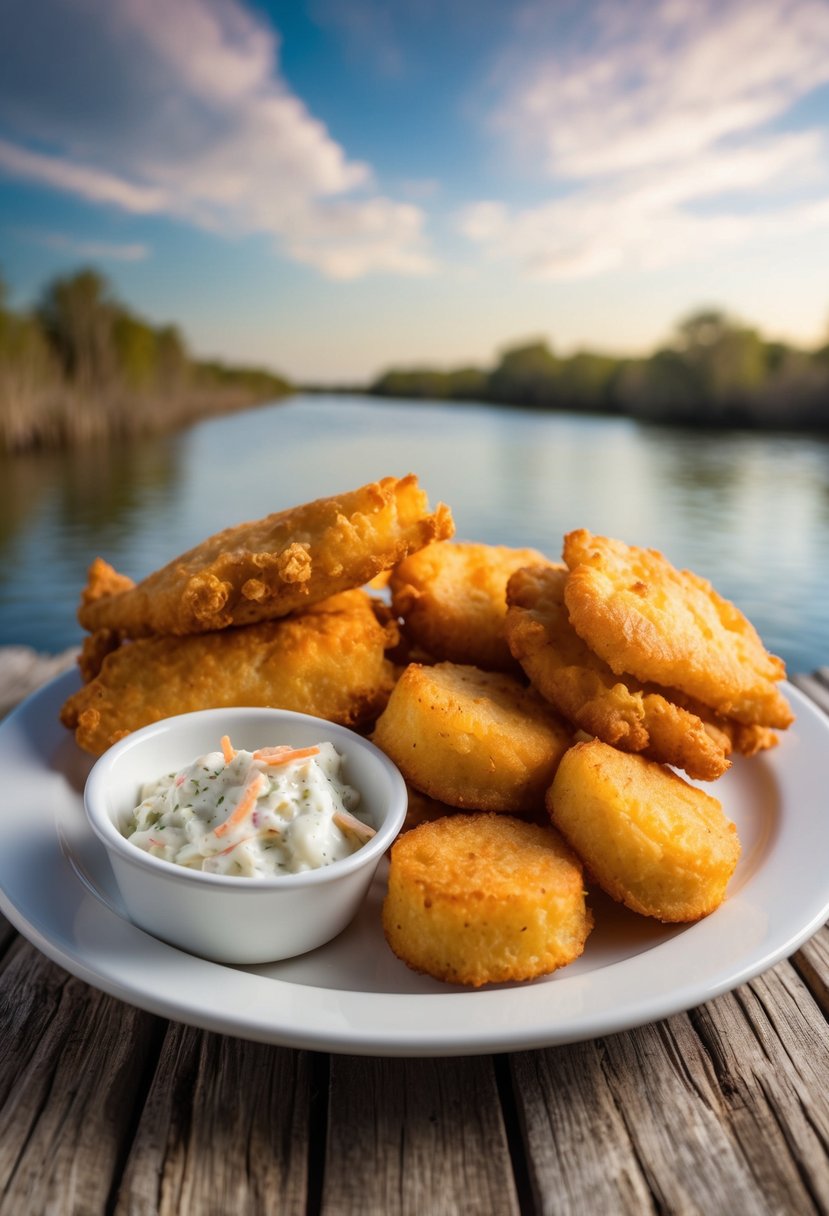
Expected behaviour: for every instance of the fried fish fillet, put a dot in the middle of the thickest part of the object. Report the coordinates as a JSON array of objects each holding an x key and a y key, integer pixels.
[
  {"x": 650, "y": 620},
  {"x": 581, "y": 686},
  {"x": 94, "y": 649},
  {"x": 267, "y": 569},
  {"x": 329, "y": 661},
  {"x": 451, "y": 597}
]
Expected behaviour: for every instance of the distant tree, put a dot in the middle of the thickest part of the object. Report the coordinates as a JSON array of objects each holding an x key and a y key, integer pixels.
[
  {"x": 588, "y": 381},
  {"x": 665, "y": 385},
  {"x": 172, "y": 360},
  {"x": 712, "y": 372},
  {"x": 136, "y": 350},
  {"x": 4, "y": 315},
  {"x": 78, "y": 318},
  {"x": 730, "y": 359},
  {"x": 467, "y": 384},
  {"x": 23, "y": 347},
  {"x": 421, "y": 383},
  {"x": 526, "y": 375}
]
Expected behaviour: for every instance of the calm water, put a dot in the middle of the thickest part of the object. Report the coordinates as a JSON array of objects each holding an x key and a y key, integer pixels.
[{"x": 750, "y": 512}]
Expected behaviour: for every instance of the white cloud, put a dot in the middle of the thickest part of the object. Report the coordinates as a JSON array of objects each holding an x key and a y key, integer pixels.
[
  {"x": 95, "y": 185},
  {"x": 659, "y": 124},
  {"x": 103, "y": 251},
  {"x": 195, "y": 121}
]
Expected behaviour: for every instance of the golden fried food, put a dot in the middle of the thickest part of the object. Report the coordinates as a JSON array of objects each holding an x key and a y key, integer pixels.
[
  {"x": 477, "y": 899},
  {"x": 649, "y": 620},
  {"x": 329, "y": 662},
  {"x": 422, "y": 809},
  {"x": 649, "y": 839},
  {"x": 264, "y": 570},
  {"x": 472, "y": 738},
  {"x": 452, "y": 599},
  {"x": 581, "y": 686},
  {"x": 103, "y": 583},
  {"x": 748, "y": 740},
  {"x": 94, "y": 649}
]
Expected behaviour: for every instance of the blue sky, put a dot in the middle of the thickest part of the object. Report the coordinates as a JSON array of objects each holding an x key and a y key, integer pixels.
[{"x": 336, "y": 186}]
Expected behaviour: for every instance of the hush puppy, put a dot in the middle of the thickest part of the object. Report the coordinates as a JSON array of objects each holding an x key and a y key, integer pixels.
[
  {"x": 452, "y": 599},
  {"x": 472, "y": 738},
  {"x": 649, "y": 839},
  {"x": 477, "y": 899}
]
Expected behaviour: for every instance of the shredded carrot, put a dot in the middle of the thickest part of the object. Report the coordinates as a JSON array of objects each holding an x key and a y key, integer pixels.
[
  {"x": 228, "y": 750},
  {"x": 244, "y": 806},
  {"x": 231, "y": 847},
  {"x": 350, "y": 823},
  {"x": 283, "y": 755}
]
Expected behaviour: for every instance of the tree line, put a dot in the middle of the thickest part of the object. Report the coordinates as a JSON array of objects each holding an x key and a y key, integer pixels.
[
  {"x": 82, "y": 366},
  {"x": 713, "y": 371}
]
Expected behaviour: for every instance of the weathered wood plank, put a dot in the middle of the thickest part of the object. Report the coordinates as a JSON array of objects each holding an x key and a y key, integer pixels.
[
  {"x": 812, "y": 964},
  {"x": 224, "y": 1130},
  {"x": 768, "y": 1045},
  {"x": 658, "y": 1142},
  {"x": 7, "y": 934},
  {"x": 580, "y": 1154},
  {"x": 414, "y": 1137},
  {"x": 72, "y": 1064}
]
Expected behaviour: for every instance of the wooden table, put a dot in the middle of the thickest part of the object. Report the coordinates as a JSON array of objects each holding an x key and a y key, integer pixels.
[{"x": 104, "y": 1108}]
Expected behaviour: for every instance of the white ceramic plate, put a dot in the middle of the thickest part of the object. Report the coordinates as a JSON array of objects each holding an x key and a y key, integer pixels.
[{"x": 353, "y": 995}]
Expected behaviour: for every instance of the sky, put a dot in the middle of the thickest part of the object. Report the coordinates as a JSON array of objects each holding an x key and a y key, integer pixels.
[{"x": 332, "y": 187}]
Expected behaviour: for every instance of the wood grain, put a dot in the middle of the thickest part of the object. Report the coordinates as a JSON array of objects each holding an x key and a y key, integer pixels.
[
  {"x": 416, "y": 1137},
  {"x": 224, "y": 1130},
  {"x": 812, "y": 963},
  {"x": 580, "y": 1154},
  {"x": 767, "y": 1042},
  {"x": 72, "y": 1069}
]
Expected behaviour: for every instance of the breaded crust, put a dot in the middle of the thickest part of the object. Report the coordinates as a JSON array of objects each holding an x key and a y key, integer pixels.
[
  {"x": 329, "y": 662},
  {"x": 477, "y": 899},
  {"x": 94, "y": 649},
  {"x": 452, "y": 599},
  {"x": 647, "y": 619},
  {"x": 472, "y": 738},
  {"x": 260, "y": 571},
  {"x": 653, "y": 842},
  {"x": 617, "y": 709}
]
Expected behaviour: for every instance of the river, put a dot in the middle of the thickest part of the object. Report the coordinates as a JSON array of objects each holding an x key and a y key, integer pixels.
[{"x": 749, "y": 511}]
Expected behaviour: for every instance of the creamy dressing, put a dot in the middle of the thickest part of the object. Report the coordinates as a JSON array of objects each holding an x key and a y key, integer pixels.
[{"x": 252, "y": 814}]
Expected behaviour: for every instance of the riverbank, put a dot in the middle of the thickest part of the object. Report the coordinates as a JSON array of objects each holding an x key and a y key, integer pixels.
[
  {"x": 714, "y": 372},
  {"x": 82, "y": 367},
  {"x": 55, "y": 416}
]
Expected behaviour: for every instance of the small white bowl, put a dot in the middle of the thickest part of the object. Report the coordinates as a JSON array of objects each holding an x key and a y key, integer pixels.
[{"x": 237, "y": 919}]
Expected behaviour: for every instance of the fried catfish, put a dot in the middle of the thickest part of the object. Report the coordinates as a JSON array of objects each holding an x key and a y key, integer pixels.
[
  {"x": 330, "y": 662},
  {"x": 267, "y": 569}
]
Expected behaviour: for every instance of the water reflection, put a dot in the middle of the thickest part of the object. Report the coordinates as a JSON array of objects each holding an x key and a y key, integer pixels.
[
  {"x": 749, "y": 511},
  {"x": 97, "y": 490},
  {"x": 57, "y": 510}
]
